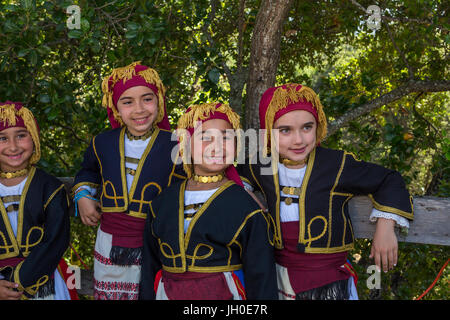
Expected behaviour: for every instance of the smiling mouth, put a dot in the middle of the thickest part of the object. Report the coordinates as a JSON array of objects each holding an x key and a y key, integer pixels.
[
  {"x": 142, "y": 120},
  {"x": 298, "y": 150},
  {"x": 215, "y": 160},
  {"x": 15, "y": 156}
]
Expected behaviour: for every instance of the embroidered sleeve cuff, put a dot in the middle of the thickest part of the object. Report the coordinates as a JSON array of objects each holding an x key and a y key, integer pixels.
[
  {"x": 92, "y": 190},
  {"x": 400, "y": 221},
  {"x": 30, "y": 290},
  {"x": 91, "y": 187}
]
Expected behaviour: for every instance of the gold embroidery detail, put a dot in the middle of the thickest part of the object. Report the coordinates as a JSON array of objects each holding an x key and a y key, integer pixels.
[
  {"x": 330, "y": 203},
  {"x": 301, "y": 201},
  {"x": 7, "y": 199},
  {"x": 170, "y": 255},
  {"x": 402, "y": 213},
  {"x": 27, "y": 245},
  {"x": 310, "y": 238},
  {"x": 52, "y": 196},
  {"x": 132, "y": 160},
  {"x": 194, "y": 256}
]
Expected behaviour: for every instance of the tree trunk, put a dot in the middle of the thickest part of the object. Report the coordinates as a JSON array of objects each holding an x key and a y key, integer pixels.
[{"x": 264, "y": 55}]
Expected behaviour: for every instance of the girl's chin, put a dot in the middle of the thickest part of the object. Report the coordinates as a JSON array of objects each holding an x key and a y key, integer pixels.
[{"x": 212, "y": 169}]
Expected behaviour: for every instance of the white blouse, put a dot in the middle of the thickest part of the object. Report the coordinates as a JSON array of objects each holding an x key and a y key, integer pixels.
[
  {"x": 191, "y": 197},
  {"x": 12, "y": 191}
]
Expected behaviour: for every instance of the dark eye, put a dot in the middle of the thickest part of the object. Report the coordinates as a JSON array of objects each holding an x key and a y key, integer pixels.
[
  {"x": 308, "y": 127},
  {"x": 3, "y": 139}
]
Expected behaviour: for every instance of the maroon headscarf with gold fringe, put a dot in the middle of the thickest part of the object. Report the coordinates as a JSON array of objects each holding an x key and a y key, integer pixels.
[{"x": 133, "y": 75}]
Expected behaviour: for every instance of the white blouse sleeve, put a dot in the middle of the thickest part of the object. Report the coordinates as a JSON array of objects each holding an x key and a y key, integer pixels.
[{"x": 399, "y": 220}]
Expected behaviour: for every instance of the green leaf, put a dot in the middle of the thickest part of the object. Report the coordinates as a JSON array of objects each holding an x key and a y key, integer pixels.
[
  {"x": 214, "y": 75},
  {"x": 133, "y": 26},
  {"x": 131, "y": 34},
  {"x": 22, "y": 53},
  {"x": 85, "y": 25},
  {"x": 44, "y": 98},
  {"x": 33, "y": 57},
  {"x": 75, "y": 34}
]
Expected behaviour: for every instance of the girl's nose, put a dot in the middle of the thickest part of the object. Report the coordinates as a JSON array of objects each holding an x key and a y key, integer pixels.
[
  {"x": 12, "y": 145},
  {"x": 298, "y": 138}
]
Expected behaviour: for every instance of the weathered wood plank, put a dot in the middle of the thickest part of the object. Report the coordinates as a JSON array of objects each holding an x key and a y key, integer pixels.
[{"x": 431, "y": 223}]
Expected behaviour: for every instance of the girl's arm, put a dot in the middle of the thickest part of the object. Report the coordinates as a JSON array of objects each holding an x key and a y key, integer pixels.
[
  {"x": 388, "y": 193},
  {"x": 150, "y": 261},
  {"x": 258, "y": 258},
  {"x": 39, "y": 266}
]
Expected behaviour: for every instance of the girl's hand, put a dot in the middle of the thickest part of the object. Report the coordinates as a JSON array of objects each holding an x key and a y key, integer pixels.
[
  {"x": 384, "y": 245},
  {"x": 89, "y": 211},
  {"x": 7, "y": 292}
]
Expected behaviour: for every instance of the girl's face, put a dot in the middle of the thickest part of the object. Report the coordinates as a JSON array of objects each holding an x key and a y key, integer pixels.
[
  {"x": 295, "y": 136},
  {"x": 16, "y": 149},
  {"x": 138, "y": 108},
  {"x": 213, "y": 147}
]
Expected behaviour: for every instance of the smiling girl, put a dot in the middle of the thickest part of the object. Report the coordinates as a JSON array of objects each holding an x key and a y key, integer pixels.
[
  {"x": 125, "y": 167},
  {"x": 307, "y": 190},
  {"x": 34, "y": 222},
  {"x": 208, "y": 235}
]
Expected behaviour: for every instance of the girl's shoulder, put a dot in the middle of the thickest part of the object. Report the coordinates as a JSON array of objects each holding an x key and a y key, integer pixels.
[
  {"x": 108, "y": 134},
  {"x": 45, "y": 179}
]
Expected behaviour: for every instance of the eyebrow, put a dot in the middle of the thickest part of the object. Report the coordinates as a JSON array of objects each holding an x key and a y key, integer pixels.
[
  {"x": 144, "y": 95},
  {"x": 15, "y": 132},
  {"x": 289, "y": 127}
]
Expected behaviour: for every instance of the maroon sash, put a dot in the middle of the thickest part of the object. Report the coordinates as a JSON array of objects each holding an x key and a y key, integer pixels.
[
  {"x": 196, "y": 286},
  {"x": 10, "y": 262},
  {"x": 308, "y": 270},
  {"x": 127, "y": 231}
]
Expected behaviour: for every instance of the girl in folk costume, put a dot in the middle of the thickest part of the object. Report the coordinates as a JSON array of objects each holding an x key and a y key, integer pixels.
[
  {"x": 125, "y": 167},
  {"x": 209, "y": 236},
  {"x": 307, "y": 188},
  {"x": 34, "y": 223}
]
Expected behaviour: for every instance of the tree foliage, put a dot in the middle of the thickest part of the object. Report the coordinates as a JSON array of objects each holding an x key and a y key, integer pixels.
[{"x": 202, "y": 50}]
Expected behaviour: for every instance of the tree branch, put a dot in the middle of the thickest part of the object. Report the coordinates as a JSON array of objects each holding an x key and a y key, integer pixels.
[
  {"x": 396, "y": 94},
  {"x": 400, "y": 52}
]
